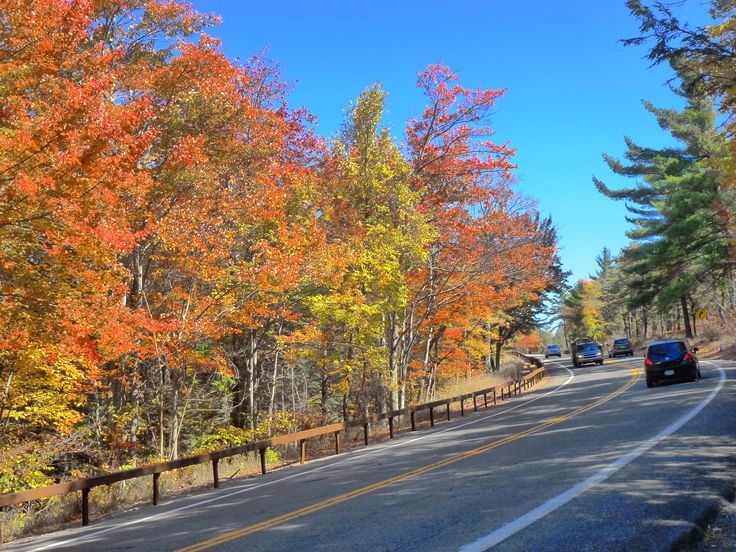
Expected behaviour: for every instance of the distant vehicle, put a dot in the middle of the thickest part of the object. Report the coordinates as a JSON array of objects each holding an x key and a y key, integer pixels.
[
  {"x": 671, "y": 360},
  {"x": 552, "y": 350},
  {"x": 621, "y": 347},
  {"x": 586, "y": 352}
]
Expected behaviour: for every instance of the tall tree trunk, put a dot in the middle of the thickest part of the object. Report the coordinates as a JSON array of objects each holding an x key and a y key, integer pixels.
[
  {"x": 275, "y": 379},
  {"x": 4, "y": 404},
  {"x": 252, "y": 364},
  {"x": 686, "y": 316},
  {"x": 392, "y": 351},
  {"x": 488, "y": 358},
  {"x": 161, "y": 410},
  {"x": 499, "y": 345},
  {"x": 245, "y": 359}
]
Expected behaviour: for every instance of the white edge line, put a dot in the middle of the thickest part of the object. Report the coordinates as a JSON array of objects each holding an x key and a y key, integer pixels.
[{"x": 484, "y": 543}]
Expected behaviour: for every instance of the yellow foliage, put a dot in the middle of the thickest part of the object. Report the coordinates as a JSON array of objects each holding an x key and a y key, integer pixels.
[
  {"x": 22, "y": 468},
  {"x": 46, "y": 392}
]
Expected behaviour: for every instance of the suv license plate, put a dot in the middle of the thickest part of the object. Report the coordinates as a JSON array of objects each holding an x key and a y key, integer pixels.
[{"x": 669, "y": 372}]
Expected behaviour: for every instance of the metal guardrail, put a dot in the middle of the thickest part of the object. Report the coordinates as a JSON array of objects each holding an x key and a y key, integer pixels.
[{"x": 155, "y": 470}]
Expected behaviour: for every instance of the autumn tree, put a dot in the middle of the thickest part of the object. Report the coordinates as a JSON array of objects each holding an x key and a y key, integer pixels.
[
  {"x": 535, "y": 278},
  {"x": 228, "y": 231},
  {"x": 581, "y": 311},
  {"x": 465, "y": 183},
  {"x": 529, "y": 343},
  {"x": 375, "y": 235},
  {"x": 153, "y": 190},
  {"x": 70, "y": 157}
]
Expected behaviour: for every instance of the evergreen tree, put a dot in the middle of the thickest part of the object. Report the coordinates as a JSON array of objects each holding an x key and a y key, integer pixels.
[{"x": 681, "y": 240}]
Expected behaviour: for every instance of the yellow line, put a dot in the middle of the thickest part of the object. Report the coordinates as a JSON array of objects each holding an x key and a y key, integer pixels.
[{"x": 226, "y": 537}]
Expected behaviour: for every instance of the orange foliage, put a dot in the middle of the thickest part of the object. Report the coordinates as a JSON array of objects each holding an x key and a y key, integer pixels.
[
  {"x": 529, "y": 343},
  {"x": 489, "y": 256},
  {"x": 164, "y": 218}
]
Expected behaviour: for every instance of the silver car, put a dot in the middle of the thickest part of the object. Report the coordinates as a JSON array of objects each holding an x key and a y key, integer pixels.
[
  {"x": 552, "y": 350},
  {"x": 588, "y": 352}
]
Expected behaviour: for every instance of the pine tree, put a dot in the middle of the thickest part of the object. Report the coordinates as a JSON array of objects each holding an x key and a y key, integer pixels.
[{"x": 680, "y": 239}]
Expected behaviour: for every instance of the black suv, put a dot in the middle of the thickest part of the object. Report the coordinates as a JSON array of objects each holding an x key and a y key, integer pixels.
[
  {"x": 621, "y": 347},
  {"x": 671, "y": 360}
]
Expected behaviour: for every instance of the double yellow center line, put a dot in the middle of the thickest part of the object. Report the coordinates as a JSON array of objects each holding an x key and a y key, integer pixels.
[{"x": 232, "y": 535}]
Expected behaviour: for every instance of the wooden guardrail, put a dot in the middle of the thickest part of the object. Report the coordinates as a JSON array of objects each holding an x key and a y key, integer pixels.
[{"x": 155, "y": 470}]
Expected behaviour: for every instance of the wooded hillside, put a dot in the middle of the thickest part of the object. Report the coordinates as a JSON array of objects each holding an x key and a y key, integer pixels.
[{"x": 185, "y": 264}]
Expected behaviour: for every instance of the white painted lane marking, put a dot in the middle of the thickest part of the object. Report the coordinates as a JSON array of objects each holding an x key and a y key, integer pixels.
[{"x": 501, "y": 534}]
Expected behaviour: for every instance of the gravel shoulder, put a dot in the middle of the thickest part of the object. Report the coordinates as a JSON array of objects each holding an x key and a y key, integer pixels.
[{"x": 719, "y": 533}]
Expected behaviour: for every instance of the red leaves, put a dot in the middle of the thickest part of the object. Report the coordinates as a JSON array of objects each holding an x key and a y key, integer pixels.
[
  {"x": 161, "y": 208},
  {"x": 450, "y": 137},
  {"x": 488, "y": 257}
]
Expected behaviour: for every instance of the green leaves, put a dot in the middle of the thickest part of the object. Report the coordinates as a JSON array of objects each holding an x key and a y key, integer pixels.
[{"x": 674, "y": 204}]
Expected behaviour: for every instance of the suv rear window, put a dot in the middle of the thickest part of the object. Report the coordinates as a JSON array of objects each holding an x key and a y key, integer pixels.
[
  {"x": 621, "y": 342},
  {"x": 588, "y": 347}
]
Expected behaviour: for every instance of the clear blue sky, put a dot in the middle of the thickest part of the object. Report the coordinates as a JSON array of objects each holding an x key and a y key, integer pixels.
[{"x": 572, "y": 90}]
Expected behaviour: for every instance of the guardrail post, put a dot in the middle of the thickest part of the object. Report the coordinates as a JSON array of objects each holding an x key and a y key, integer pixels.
[
  {"x": 391, "y": 427},
  {"x": 462, "y": 407},
  {"x": 494, "y": 397},
  {"x": 302, "y": 450},
  {"x": 431, "y": 416},
  {"x": 449, "y": 403},
  {"x": 337, "y": 442},
  {"x": 413, "y": 422},
  {"x": 475, "y": 402},
  {"x": 262, "y": 453},
  {"x": 215, "y": 473},
  {"x": 85, "y": 507},
  {"x": 155, "y": 488},
  {"x": 365, "y": 433}
]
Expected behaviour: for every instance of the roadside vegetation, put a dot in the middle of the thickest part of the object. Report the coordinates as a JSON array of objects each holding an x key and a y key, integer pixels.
[{"x": 185, "y": 265}]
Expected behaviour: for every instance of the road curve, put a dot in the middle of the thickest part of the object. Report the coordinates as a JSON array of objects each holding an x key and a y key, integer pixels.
[{"x": 590, "y": 460}]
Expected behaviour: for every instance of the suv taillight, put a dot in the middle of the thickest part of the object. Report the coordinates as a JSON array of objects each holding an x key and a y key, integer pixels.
[
  {"x": 648, "y": 362},
  {"x": 688, "y": 357}
]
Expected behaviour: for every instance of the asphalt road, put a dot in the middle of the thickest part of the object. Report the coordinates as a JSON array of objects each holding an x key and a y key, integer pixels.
[{"x": 589, "y": 460}]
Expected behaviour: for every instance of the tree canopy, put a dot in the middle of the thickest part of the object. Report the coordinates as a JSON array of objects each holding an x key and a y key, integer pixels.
[{"x": 185, "y": 263}]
